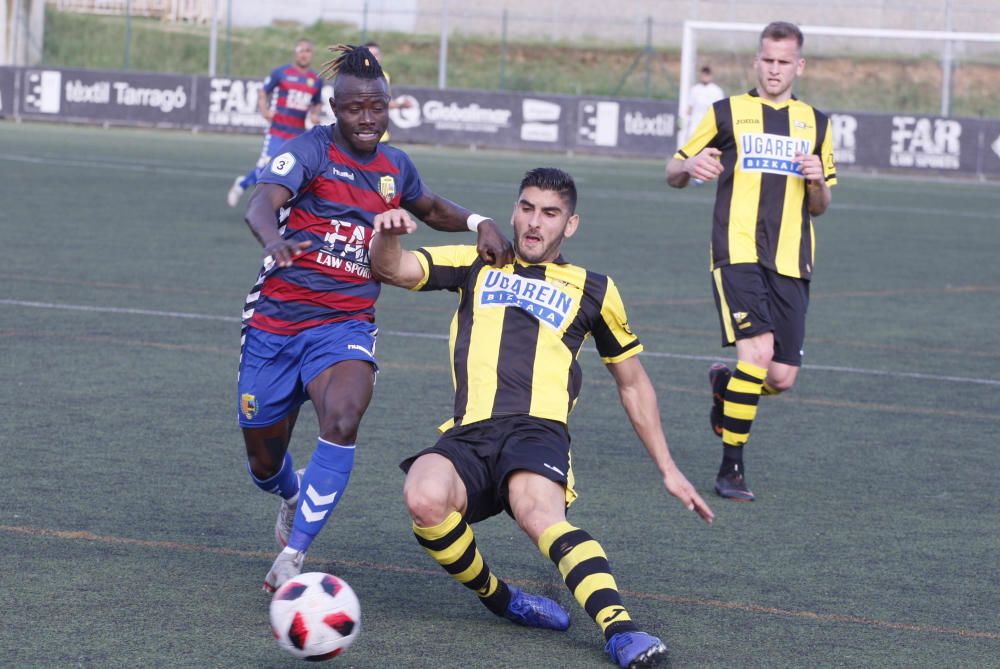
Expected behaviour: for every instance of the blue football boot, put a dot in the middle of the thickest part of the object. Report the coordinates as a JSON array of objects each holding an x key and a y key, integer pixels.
[
  {"x": 634, "y": 650},
  {"x": 535, "y": 611}
]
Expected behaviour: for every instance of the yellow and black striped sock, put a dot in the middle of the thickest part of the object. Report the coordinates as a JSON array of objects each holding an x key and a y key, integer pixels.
[
  {"x": 453, "y": 546},
  {"x": 739, "y": 410},
  {"x": 585, "y": 568}
]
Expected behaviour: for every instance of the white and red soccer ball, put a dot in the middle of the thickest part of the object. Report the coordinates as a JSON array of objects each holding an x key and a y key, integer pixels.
[{"x": 315, "y": 616}]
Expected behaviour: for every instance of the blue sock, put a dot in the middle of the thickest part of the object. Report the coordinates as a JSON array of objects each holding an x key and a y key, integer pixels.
[
  {"x": 250, "y": 179},
  {"x": 284, "y": 483},
  {"x": 323, "y": 485}
]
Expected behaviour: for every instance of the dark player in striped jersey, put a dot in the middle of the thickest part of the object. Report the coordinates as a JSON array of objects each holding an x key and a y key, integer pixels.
[
  {"x": 515, "y": 338},
  {"x": 773, "y": 157},
  {"x": 309, "y": 329},
  {"x": 290, "y": 93}
]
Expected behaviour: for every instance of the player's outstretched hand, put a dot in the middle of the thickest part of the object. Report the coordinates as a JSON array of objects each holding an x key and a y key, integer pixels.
[
  {"x": 493, "y": 247},
  {"x": 394, "y": 222},
  {"x": 677, "y": 485},
  {"x": 705, "y": 165},
  {"x": 284, "y": 252}
]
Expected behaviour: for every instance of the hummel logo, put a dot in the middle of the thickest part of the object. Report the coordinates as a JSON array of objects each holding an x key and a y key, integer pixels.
[
  {"x": 310, "y": 515},
  {"x": 318, "y": 499},
  {"x": 315, "y": 512},
  {"x": 358, "y": 347}
]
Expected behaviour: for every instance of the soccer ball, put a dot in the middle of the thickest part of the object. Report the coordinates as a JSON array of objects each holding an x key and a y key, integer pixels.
[{"x": 315, "y": 616}]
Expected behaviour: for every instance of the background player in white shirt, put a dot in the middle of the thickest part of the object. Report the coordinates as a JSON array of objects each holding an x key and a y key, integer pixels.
[{"x": 700, "y": 98}]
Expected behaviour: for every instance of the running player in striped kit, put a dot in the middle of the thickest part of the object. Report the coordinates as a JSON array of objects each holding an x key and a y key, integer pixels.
[
  {"x": 290, "y": 94},
  {"x": 309, "y": 330},
  {"x": 772, "y": 155}
]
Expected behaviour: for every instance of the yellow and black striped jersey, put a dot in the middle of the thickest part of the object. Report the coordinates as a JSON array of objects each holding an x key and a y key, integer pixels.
[
  {"x": 518, "y": 330},
  {"x": 761, "y": 213}
]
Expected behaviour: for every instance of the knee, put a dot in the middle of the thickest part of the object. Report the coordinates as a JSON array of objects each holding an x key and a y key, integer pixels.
[
  {"x": 341, "y": 428},
  {"x": 262, "y": 468},
  {"x": 780, "y": 384},
  {"x": 427, "y": 504},
  {"x": 262, "y": 460},
  {"x": 781, "y": 377}
]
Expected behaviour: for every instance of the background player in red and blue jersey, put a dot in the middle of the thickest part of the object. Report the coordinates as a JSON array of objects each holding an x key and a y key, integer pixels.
[
  {"x": 290, "y": 93},
  {"x": 309, "y": 330}
]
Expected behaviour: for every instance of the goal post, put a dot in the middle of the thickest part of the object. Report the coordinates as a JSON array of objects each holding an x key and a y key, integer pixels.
[{"x": 919, "y": 40}]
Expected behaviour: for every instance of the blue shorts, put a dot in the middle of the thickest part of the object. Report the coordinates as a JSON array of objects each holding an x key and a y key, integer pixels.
[{"x": 275, "y": 369}]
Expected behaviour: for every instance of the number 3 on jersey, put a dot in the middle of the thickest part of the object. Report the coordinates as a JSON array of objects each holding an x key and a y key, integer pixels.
[{"x": 283, "y": 164}]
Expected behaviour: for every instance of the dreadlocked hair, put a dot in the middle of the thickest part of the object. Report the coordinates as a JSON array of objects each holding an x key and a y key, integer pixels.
[{"x": 356, "y": 61}]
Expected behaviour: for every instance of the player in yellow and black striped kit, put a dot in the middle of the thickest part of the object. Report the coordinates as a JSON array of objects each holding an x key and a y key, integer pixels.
[
  {"x": 514, "y": 341},
  {"x": 773, "y": 157}
]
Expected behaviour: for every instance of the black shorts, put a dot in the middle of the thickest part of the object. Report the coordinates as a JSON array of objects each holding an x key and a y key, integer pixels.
[
  {"x": 752, "y": 299},
  {"x": 486, "y": 453}
]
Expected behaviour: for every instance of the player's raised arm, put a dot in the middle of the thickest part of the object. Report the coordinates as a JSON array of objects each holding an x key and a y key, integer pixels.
[
  {"x": 390, "y": 262},
  {"x": 264, "y": 105},
  {"x": 639, "y": 400},
  {"x": 443, "y": 214},
  {"x": 262, "y": 217}
]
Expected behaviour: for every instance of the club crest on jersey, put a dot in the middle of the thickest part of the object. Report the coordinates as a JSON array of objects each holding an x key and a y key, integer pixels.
[
  {"x": 387, "y": 188},
  {"x": 539, "y": 298},
  {"x": 248, "y": 405}
]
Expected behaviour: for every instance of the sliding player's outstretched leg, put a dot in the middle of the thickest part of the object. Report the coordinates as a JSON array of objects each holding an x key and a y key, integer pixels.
[
  {"x": 437, "y": 498},
  {"x": 584, "y": 566},
  {"x": 452, "y": 544}
]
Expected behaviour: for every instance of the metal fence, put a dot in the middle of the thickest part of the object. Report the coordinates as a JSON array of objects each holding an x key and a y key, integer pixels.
[
  {"x": 656, "y": 21},
  {"x": 636, "y": 22},
  {"x": 518, "y": 35},
  {"x": 199, "y": 11}
]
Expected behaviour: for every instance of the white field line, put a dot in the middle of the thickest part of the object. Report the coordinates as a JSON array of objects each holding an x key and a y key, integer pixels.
[
  {"x": 175, "y": 169},
  {"x": 427, "y": 335}
]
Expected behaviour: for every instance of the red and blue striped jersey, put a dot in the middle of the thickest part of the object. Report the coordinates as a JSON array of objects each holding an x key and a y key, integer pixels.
[
  {"x": 294, "y": 92},
  {"x": 335, "y": 199}
]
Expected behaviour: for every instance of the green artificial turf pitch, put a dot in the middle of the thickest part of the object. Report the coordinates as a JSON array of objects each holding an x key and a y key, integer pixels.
[{"x": 132, "y": 537}]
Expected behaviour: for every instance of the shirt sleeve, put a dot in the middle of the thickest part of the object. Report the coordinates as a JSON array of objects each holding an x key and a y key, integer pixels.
[
  {"x": 445, "y": 267},
  {"x": 826, "y": 155},
  {"x": 317, "y": 98},
  {"x": 413, "y": 186},
  {"x": 702, "y": 137},
  {"x": 299, "y": 161},
  {"x": 615, "y": 341},
  {"x": 272, "y": 80}
]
